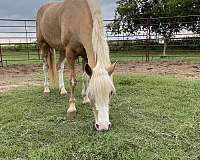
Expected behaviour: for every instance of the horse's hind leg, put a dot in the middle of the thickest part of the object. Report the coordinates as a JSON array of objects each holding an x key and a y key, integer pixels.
[
  {"x": 61, "y": 66},
  {"x": 44, "y": 55},
  {"x": 71, "y": 112}
]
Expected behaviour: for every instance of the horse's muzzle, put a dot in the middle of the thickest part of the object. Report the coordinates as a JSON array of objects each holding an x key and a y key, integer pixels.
[{"x": 103, "y": 127}]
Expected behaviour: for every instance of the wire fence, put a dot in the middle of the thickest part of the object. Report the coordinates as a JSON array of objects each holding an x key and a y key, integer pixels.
[{"x": 143, "y": 39}]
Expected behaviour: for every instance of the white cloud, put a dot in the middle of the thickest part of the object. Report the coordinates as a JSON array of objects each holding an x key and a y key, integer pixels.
[{"x": 27, "y": 9}]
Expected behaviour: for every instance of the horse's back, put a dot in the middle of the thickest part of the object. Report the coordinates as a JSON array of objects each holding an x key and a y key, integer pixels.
[{"x": 62, "y": 22}]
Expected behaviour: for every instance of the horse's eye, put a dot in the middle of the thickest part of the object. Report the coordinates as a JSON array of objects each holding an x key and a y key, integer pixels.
[{"x": 111, "y": 93}]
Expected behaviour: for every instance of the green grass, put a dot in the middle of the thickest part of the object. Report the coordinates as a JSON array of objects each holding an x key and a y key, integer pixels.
[
  {"x": 123, "y": 57},
  {"x": 156, "y": 56},
  {"x": 153, "y": 117},
  {"x": 20, "y": 58}
]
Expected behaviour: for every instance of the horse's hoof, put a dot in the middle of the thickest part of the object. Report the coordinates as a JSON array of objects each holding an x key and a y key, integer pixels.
[
  {"x": 46, "y": 93},
  {"x": 63, "y": 92},
  {"x": 86, "y": 101},
  {"x": 71, "y": 115}
]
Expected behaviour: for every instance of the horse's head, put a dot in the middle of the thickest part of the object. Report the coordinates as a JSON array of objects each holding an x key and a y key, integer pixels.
[{"x": 100, "y": 91}]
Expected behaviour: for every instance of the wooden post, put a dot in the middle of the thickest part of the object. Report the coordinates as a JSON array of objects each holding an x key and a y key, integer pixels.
[{"x": 1, "y": 57}]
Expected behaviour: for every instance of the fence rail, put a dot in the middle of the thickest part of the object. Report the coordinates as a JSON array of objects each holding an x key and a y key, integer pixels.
[{"x": 18, "y": 39}]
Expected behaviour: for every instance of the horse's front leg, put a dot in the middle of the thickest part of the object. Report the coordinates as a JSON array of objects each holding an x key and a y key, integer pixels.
[
  {"x": 61, "y": 66},
  {"x": 84, "y": 88},
  {"x": 71, "y": 112},
  {"x": 72, "y": 108},
  {"x": 85, "y": 79}
]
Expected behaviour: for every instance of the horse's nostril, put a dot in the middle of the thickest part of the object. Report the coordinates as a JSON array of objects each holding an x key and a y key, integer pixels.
[{"x": 97, "y": 126}]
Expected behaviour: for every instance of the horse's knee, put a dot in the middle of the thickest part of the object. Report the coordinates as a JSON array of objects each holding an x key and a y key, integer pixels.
[
  {"x": 61, "y": 66},
  {"x": 73, "y": 82},
  {"x": 45, "y": 67},
  {"x": 86, "y": 78}
]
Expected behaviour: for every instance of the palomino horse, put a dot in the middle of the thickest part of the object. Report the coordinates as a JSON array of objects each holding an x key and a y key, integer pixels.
[{"x": 76, "y": 28}]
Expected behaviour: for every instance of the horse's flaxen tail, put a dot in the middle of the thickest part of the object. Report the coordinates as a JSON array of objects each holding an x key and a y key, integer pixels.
[{"x": 53, "y": 75}]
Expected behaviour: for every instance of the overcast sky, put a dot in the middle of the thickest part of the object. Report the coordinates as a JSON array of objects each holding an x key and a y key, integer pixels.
[{"x": 26, "y": 9}]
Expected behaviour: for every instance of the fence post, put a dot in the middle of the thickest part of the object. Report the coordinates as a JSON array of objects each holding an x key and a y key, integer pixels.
[
  {"x": 1, "y": 56},
  {"x": 38, "y": 51},
  {"x": 27, "y": 47},
  {"x": 148, "y": 39}
]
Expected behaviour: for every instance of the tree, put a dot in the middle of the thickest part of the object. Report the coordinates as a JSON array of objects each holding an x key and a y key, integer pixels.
[
  {"x": 132, "y": 15},
  {"x": 191, "y": 7}
]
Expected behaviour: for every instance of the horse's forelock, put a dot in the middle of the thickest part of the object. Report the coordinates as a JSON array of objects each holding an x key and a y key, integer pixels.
[{"x": 100, "y": 86}]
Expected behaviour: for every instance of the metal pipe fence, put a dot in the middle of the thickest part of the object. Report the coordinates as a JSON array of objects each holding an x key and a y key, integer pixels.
[
  {"x": 18, "y": 39},
  {"x": 1, "y": 57}
]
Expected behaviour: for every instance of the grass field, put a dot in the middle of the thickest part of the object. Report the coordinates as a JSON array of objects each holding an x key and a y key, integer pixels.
[
  {"x": 123, "y": 57},
  {"x": 153, "y": 117},
  {"x": 20, "y": 58}
]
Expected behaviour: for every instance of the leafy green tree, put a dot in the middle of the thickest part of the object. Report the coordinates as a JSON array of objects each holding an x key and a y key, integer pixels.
[
  {"x": 132, "y": 15},
  {"x": 191, "y": 7}
]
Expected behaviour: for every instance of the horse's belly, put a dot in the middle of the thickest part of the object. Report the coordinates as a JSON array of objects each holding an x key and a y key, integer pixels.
[{"x": 53, "y": 41}]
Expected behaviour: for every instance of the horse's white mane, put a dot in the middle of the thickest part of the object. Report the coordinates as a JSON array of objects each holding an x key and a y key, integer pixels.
[
  {"x": 101, "y": 83},
  {"x": 100, "y": 45}
]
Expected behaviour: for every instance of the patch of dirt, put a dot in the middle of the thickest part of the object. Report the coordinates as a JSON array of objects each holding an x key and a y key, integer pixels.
[
  {"x": 180, "y": 69},
  {"x": 15, "y": 76}
]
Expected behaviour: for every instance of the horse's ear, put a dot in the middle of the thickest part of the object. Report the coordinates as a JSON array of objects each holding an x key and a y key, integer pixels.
[
  {"x": 88, "y": 70},
  {"x": 111, "y": 68}
]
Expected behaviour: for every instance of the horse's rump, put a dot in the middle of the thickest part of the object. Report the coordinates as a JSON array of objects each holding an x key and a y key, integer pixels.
[
  {"x": 48, "y": 24},
  {"x": 62, "y": 22}
]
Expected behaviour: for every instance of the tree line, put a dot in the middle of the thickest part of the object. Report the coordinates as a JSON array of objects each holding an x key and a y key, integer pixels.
[{"x": 134, "y": 15}]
